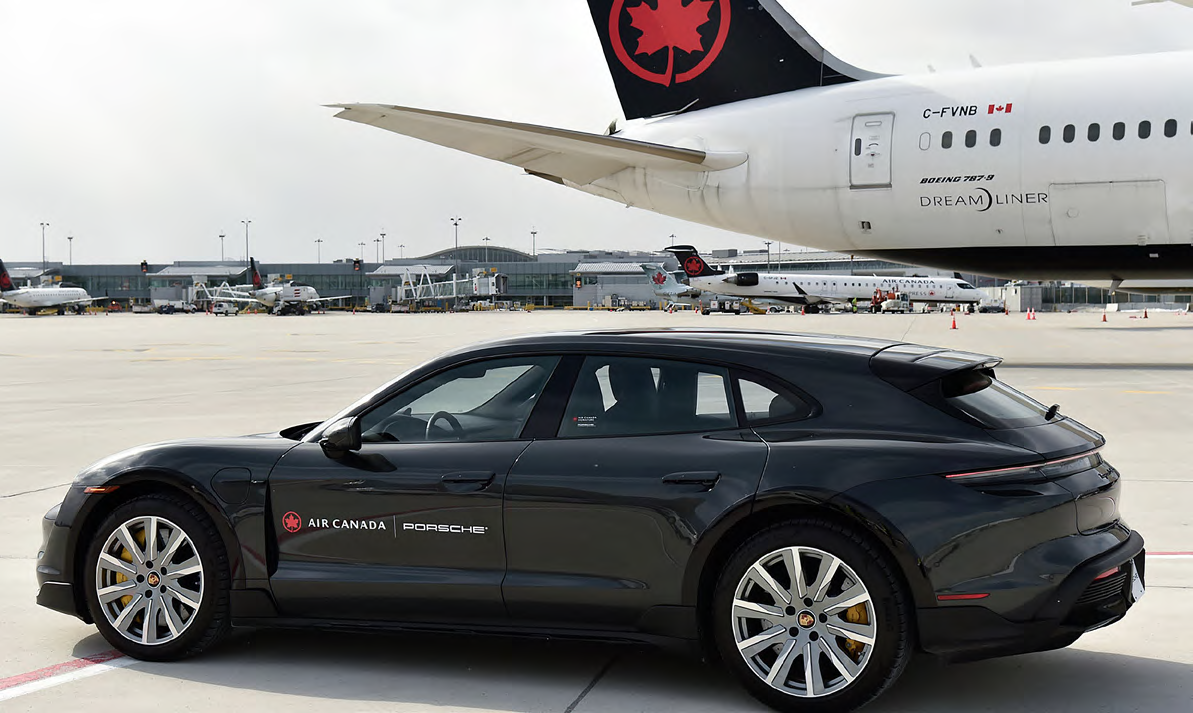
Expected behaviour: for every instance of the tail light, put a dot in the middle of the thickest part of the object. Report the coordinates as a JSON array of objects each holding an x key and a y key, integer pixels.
[{"x": 1034, "y": 472}]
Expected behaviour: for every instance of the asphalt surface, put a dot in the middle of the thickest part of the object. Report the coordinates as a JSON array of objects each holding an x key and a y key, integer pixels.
[{"x": 79, "y": 388}]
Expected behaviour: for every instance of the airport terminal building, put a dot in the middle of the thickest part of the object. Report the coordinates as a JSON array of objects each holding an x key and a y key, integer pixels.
[{"x": 592, "y": 278}]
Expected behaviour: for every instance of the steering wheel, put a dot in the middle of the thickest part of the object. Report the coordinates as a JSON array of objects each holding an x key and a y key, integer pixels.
[{"x": 457, "y": 429}]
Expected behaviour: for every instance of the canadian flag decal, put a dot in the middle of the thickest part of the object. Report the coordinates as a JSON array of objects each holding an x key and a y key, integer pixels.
[{"x": 999, "y": 108}]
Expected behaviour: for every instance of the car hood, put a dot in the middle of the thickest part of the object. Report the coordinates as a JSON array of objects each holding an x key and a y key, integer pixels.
[{"x": 196, "y": 459}]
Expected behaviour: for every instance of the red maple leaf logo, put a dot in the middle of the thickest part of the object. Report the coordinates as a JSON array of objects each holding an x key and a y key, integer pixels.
[
  {"x": 672, "y": 24},
  {"x": 659, "y": 278},
  {"x": 693, "y": 266},
  {"x": 292, "y": 522}
]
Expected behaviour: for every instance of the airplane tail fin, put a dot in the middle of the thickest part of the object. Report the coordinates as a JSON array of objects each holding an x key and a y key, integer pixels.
[
  {"x": 258, "y": 283},
  {"x": 663, "y": 282},
  {"x": 5, "y": 280},
  {"x": 693, "y": 265},
  {"x": 668, "y": 55}
]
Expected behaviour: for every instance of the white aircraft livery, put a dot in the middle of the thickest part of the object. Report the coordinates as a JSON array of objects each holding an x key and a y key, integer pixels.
[
  {"x": 1079, "y": 170},
  {"x": 809, "y": 289},
  {"x": 34, "y": 299},
  {"x": 281, "y": 298}
]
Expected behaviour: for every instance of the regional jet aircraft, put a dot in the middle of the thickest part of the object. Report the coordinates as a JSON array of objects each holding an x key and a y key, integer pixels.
[
  {"x": 281, "y": 298},
  {"x": 1079, "y": 170},
  {"x": 34, "y": 299},
  {"x": 813, "y": 290}
]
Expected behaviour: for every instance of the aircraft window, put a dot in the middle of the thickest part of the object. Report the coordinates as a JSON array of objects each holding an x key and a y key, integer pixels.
[
  {"x": 995, "y": 137},
  {"x": 1070, "y": 133},
  {"x": 1145, "y": 129},
  {"x": 1045, "y": 134},
  {"x": 1170, "y": 128},
  {"x": 965, "y": 286},
  {"x": 1120, "y": 130},
  {"x": 971, "y": 139},
  {"x": 946, "y": 140},
  {"x": 1094, "y": 132},
  {"x": 925, "y": 141},
  {"x": 622, "y": 396},
  {"x": 857, "y": 147}
]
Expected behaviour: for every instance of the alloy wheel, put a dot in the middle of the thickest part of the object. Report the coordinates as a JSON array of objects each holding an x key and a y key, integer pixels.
[
  {"x": 804, "y": 622},
  {"x": 149, "y": 580}
]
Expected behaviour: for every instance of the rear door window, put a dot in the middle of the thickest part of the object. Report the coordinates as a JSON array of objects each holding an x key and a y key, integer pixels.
[
  {"x": 992, "y": 403},
  {"x": 623, "y": 396}
]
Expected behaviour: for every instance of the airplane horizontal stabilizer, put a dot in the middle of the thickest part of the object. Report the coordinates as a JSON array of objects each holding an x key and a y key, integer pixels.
[{"x": 554, "y": 153}]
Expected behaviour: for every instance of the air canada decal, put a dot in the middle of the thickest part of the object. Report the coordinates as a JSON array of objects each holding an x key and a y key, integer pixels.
[{"x": 690, "y": 34}]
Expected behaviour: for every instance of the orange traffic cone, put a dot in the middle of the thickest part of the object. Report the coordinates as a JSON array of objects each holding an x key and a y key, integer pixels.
[
  {"x": 1145, "y": 313},
  {"x": 954, "y": 322},
  {"x": 801, "y": 311},
  {"x": 1103, "y": 316},
  {"x": 1029, "y": 314}
]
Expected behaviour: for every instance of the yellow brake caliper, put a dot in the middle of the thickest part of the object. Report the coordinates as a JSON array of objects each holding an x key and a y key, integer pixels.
[
  {"x": 127, "y": 556},
  {"x": 856, "y": 614}
]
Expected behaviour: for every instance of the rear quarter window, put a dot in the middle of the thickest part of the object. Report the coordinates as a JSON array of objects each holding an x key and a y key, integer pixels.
[{"x": 990, "y": 402}]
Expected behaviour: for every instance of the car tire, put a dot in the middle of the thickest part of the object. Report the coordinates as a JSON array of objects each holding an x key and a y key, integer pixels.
[
  {"x": 200, "y": 577},
  {"x": 848, "y": 673}
]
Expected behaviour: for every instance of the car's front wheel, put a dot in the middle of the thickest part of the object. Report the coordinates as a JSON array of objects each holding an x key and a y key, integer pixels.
[
  {"x": 156, "y": 579},
  {"x": 810, "y": 617}
]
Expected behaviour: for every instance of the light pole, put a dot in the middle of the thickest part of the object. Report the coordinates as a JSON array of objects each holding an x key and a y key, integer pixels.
[
  {"x": 383, "y": 247},
  {"x": 377, "y": 243},
  {"x": 401, "y": 251},
  {"x": 246, "y": 240},
  {"x": 486, "y": 239},
  {"x": 222, "y": 236},
  {"x": 456, "y": 225},
  {"x": 362, "y": 245},
  {"x": 533, "y": 235},
  {"x": 43, "y": 245},
  {"x": 70, "y": 247},
  {"x": 318, "y": 249},
  {"x": 768, "y": 242}
]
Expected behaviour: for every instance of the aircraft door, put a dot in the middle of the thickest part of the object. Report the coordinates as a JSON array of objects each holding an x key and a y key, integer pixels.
[{"x": 870, "y": 151}]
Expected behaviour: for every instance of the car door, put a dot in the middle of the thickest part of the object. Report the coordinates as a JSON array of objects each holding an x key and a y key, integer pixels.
[
  {"x": 600, "y": 522},
  {"x": 407, "y": 528}
]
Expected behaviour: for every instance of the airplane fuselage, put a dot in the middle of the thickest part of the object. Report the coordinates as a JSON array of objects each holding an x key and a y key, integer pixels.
[
  {"x": 814, "y": 289},
  {"x": 45, "y": 297},
  {"x": 1071, "y": 170}
]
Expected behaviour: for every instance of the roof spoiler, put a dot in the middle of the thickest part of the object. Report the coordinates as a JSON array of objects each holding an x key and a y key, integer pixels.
[{"x": 910, "y": 366}]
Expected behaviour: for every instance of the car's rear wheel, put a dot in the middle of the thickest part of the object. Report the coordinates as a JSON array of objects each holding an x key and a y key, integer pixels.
[
  {"x": 809, "y": 616},
  {"x": 156, "y": 579}
]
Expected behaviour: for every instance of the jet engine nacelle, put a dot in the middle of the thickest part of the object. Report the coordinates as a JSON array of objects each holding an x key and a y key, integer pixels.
[{"x": 743, "y": 279}]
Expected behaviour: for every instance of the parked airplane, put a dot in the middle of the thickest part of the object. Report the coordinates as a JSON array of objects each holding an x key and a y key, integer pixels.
[
  {"x": 34, "y": 299},
  {"x": 813, "y": 290},
  {"x": 281, "y": 298},
  {"x": 1078, "y": 169},
  {"x": 665, "y": 285}
]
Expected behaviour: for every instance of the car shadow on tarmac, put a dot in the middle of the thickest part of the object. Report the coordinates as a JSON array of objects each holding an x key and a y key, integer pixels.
[{"x": 527, "y": 675}]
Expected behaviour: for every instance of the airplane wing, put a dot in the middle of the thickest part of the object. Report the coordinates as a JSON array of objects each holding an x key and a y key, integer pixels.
[
  {"x": 543, "y": 151},
  {"x": 329, "y": 299}
]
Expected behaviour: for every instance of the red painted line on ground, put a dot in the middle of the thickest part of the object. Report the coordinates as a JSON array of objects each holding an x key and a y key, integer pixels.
[
  {"x": 59, "y": 668},
  {"x": 1170, "y": 554}
]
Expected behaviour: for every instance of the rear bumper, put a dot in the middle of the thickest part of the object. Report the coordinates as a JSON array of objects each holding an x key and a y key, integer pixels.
[{"x": 1084, "y": 601}]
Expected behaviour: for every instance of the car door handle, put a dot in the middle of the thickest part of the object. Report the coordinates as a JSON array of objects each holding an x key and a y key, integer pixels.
[
  {"x": 707, "y": 478},
  {"x": 469, "y": 476}
]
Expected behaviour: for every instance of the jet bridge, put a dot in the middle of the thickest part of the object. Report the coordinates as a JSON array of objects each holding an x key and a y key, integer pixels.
[{"x": 411, "y": 285}]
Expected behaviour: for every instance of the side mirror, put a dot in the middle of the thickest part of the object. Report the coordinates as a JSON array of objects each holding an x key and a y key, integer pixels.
[{"x": 341, "y": 438}]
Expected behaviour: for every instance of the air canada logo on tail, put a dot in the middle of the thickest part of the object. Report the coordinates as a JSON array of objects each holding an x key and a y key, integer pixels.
[
  {"x": 668, "y": 41},
  {"x": 659, "y": 278},
  {"x": 5, "y": 280},
  {"x": 694, "y": 266}
]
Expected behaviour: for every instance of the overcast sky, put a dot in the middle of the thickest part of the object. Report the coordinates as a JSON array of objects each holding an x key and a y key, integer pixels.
[{"x": 145, "y": 128}]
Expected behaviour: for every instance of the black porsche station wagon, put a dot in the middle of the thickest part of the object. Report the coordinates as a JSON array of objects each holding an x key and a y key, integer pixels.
[{"x": 809, "y": 510}]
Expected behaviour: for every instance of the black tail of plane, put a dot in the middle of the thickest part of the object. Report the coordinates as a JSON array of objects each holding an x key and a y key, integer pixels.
[
  {"x": 693, "y": 265},
  {"x": 670, "y": 55},
  {"x": 258, "y": 283},
  {"x": 5, "y": 280}
]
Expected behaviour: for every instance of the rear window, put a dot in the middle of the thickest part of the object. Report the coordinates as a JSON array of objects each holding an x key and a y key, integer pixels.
[{"x": 990, "y": 402}]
